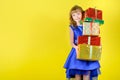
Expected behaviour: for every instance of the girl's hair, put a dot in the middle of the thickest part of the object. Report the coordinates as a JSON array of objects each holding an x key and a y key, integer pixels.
[{"x": 75, "y": 9}]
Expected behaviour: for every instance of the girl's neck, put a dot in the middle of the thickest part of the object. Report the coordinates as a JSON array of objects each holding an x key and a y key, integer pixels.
[{"x": 78, "y": 23}]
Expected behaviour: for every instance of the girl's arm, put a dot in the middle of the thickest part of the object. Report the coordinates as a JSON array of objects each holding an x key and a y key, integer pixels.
[
  {"x": 72, "y": 38},
  {"x": 72, "y": 41}
]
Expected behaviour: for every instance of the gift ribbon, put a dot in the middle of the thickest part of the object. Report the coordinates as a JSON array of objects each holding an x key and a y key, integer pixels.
[
  {"x": 89, "y": 38},
  {"x": 91, "y": 28},
  {"x": 95, "y": 13},
  {"x": 90, "y": 57}
]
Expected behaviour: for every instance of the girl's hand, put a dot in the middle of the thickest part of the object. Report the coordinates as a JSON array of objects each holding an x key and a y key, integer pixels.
[{"x": 77, "y": 50}]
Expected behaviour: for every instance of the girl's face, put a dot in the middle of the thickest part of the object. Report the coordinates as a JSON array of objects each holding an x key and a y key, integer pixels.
[{"x": 77, "y": 16}]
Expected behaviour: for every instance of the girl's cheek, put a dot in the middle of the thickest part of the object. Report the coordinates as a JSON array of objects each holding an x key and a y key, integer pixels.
[
  {"x": 74, "y": 18},
  {"x": 80, "y": 16}
]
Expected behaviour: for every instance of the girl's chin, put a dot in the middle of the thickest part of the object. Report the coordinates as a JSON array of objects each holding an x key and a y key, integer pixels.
[{"x": 77, "y": 20}]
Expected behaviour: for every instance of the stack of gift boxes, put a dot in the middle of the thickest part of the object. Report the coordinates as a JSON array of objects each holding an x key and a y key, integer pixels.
[{"x": 90, "y": 42}]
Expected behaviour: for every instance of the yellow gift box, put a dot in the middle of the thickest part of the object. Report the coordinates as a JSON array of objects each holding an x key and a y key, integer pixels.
[{"x": 89, "y": 52}]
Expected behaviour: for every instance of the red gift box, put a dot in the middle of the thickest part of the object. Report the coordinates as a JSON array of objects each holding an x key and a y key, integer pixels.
[
  {"x": 93, "y": 13},
  {"x": 92, "y": 40}
]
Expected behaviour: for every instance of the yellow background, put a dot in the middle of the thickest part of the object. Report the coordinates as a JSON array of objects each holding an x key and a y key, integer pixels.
[{"x": 35, "y": 42}]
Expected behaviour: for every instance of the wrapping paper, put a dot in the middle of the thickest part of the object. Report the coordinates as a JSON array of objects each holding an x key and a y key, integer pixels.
[
  {"x": 91, "y": 40},
  {"x": 89, "y": 52},
  {"x": 93, "y": 13},
  {"x": 91, "y": 28}
]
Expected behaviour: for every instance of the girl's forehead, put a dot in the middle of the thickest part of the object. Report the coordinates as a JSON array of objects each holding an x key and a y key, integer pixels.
[{"x": 75, "y": 11}]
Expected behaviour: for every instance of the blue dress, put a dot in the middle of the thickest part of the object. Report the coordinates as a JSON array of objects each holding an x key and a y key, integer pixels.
[{"x": 75, "y": 66}]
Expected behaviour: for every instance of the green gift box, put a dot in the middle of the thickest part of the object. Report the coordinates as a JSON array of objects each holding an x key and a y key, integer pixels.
[{"x": 89, "y": 52}]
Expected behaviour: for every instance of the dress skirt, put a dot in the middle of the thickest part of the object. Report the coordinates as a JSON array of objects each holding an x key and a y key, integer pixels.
[{"x": 75, "y": 66}]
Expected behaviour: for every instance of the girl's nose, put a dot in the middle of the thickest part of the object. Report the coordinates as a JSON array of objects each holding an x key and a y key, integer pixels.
[{"x": 77, "y": 17}]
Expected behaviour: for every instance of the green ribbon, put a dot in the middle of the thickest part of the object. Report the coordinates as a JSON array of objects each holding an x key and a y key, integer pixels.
[
  {"x": 87, "y": 19},
  {"x": 99, "y": 21}
]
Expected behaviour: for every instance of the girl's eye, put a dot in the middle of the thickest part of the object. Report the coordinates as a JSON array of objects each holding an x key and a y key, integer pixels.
[
  {"x": 78, "y": 13},
  {"x": 73, "y": 15}
]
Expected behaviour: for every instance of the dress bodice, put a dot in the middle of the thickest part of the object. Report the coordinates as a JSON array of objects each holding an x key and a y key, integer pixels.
[{"x": 77, "y": 32}]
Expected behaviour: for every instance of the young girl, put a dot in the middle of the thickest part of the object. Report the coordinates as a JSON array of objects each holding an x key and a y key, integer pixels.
[{"x": 79, "y": 69}]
